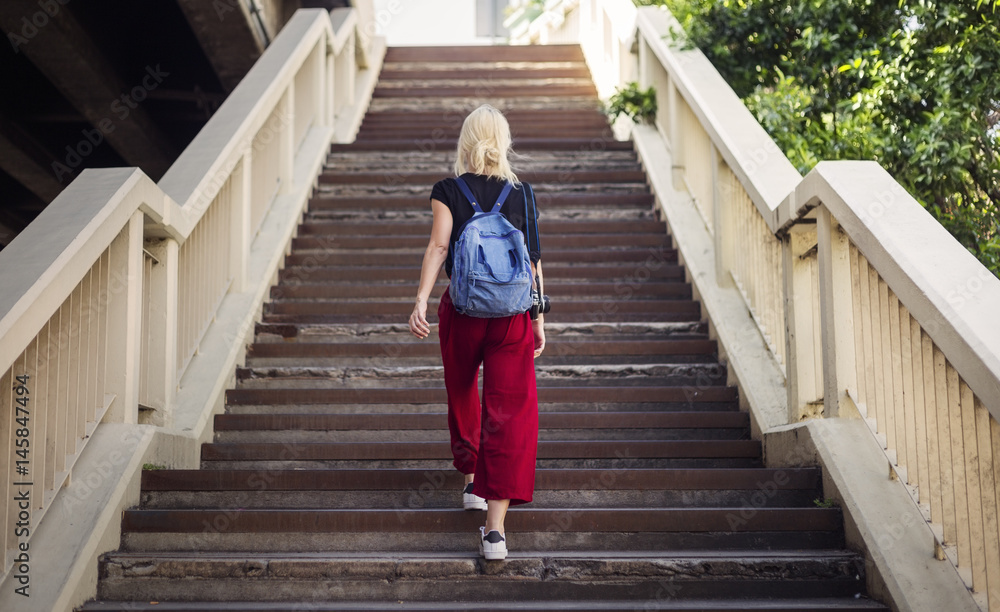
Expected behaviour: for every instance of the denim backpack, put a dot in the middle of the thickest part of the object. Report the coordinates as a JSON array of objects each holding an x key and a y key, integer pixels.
[{"x": 491, "y": 271}]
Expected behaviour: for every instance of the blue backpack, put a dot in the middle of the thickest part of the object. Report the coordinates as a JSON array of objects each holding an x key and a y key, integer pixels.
[{"x": 491, "y": 270}]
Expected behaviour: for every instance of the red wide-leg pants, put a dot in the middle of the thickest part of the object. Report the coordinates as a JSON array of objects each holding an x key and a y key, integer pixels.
[{"x": 497, "y": 440}]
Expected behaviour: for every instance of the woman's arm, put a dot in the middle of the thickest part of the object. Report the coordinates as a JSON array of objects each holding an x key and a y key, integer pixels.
[{"x": 434, "y": 258}]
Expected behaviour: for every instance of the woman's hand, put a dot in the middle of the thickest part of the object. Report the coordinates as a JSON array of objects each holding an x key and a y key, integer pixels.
[
  {"x": 538, "y": 329},
  {"x": 419, "y": 326}
]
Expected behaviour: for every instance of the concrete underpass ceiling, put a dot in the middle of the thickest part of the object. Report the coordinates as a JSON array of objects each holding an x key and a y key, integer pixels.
[{"x": 90, "y": 84}]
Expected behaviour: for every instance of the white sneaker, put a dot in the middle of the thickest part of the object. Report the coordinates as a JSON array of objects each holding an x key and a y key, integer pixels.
[
  {"x": 471, "y": 501},
  {"x": 492, "y": 545}
]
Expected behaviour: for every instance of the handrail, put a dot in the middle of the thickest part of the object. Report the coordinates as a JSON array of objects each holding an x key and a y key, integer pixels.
[
  {"x": 118, "y": 264},
  {"x": 946, "y": 289},
  {"x": 747, "y": 148}
]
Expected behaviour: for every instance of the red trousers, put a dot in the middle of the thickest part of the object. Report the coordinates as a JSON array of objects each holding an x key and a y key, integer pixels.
[{"x": 497, "y": 440}]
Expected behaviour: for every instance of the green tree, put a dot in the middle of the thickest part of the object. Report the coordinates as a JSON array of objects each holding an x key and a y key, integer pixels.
[{"x": 911, "y": 85}]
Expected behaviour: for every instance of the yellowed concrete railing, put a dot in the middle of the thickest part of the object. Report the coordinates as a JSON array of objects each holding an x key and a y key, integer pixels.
[
  {"x": 864, "y": 307},
  {"x": 129, "y": 302}
]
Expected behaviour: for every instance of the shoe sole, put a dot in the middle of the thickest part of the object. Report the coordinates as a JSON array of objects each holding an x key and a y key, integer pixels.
[{"x": 495, "y": 556}]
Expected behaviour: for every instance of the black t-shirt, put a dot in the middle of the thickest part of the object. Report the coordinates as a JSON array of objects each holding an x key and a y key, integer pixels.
[{"x": 487, "y": 189}]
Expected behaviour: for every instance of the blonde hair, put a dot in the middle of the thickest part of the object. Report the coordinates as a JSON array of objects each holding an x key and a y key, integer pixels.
[{"x": 485, "y": 144}]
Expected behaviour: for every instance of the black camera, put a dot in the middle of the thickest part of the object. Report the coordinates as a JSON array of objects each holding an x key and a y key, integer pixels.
[{"x": 539, "y": 304}]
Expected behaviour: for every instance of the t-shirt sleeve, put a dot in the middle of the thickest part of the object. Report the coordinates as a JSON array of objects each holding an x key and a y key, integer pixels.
[{"x": 438, "y": 192}]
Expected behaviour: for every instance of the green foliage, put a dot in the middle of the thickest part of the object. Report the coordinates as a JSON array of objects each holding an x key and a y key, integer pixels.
[
  {"x": 911, "y": 85},
  {"x": 825, "y": 503},
  {"x": 638, "y": 104}
]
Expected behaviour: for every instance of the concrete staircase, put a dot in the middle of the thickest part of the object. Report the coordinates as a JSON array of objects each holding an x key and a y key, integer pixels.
[{"x": 328, "y": 485}]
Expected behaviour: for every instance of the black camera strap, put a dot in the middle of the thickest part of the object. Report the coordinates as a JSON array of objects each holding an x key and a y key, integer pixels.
[{"x": 528, "y": 222}]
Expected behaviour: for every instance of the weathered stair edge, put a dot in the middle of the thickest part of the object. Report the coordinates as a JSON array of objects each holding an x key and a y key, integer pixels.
[
  {"x": 64, "y": 553},
  {"x": 841, "y": 447}
]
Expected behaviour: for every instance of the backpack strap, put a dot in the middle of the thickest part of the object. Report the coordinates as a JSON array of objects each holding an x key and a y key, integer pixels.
[
  {"x": 502, "y": 198},
  {"x": 532, "y": 220},
  {"x": 464, "y": 187}
]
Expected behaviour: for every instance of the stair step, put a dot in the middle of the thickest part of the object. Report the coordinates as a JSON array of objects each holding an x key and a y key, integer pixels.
[
  {"x": 765, "y": 604},
  {"x": 462, "y": 55},
  {"x": 309, "y": 350},
  {"x": 557, "y": 290},
  {"x": 526, "y": 578},
  {"x": 754, "y": 479},
  {"x": 552, "y": 420},
  {"x": 386, "y": 241},
  {"x": 403, "y": 407},
  {"x": 317, "y": 311},
  {"x": 402, "y": 72},
  {"x": 536, "y": 176},
  {"x": 366, "y": 488},
  {"x": 547, "y": 449},
  {"x": 544, "y": 200},
  {"x": 400, "y": 332},
  {"x": 605, "y": 142},
  {"x": 314, "y": 228},
  {"x": 567, "y": 520},
  {"x": 554, "y": 272},
  {"x": 417, "y": 395}
]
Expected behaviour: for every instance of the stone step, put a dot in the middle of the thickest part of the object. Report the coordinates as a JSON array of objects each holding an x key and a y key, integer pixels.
[
  {"x": 602, "y": 142},
  {"x": 763, "y": 483},
  {"x": 388, "y": 185},
  {"x": 606, "y": 313},
  {"x": 557, "y": 420},
  {"x": 500, "y": 53},
  {"x": 379, "y": 374},
  {"x": 397, "y": 168},
  {"x": 558, "y": 362},
  {"x": 451, "y": 133},
  {"x": 430, "y": 497},
  {"x": 446, "y": 159},
  {"x": 448, "y": 106},
  {"x": 338, "y": 177},
  {"x": 424, "y": 216},
  {"x": 433, "y": 427},
  {"x": 529, "y": 578},
  {"x": 400, "y": 332},
  {"x": 424, "y": 348},
  {"x": 650, "y": 257},
  {"x": 547, "y": 449},
  {"x": 545, "y": 228},
  {"x": 385, "y": 241},
  {"x": 448, "y": 82},
  {"x": 415, "y": 489},
  {"x": 383, "y": 310},
  {"x": 545, "y": 200},
  {"x": 488, "y": 71},
  {"x": 554, "y": 272},
  {"x": 691, "y": 396},
  {"x": 405, "y": 407},
  {"x": 367, "y": 488},
  {"x": 658, "y": 602},
  {"x": 560, "y": 292},
  {"x": 537, "y": 530},
  {"x": 467, "y": 90}
]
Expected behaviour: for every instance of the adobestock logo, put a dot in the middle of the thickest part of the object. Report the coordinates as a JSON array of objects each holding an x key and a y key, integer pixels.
[{"x": 121, "y": 108}]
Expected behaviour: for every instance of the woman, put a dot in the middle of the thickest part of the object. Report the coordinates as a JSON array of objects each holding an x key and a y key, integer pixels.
[{"x": 494, "y": 444}]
